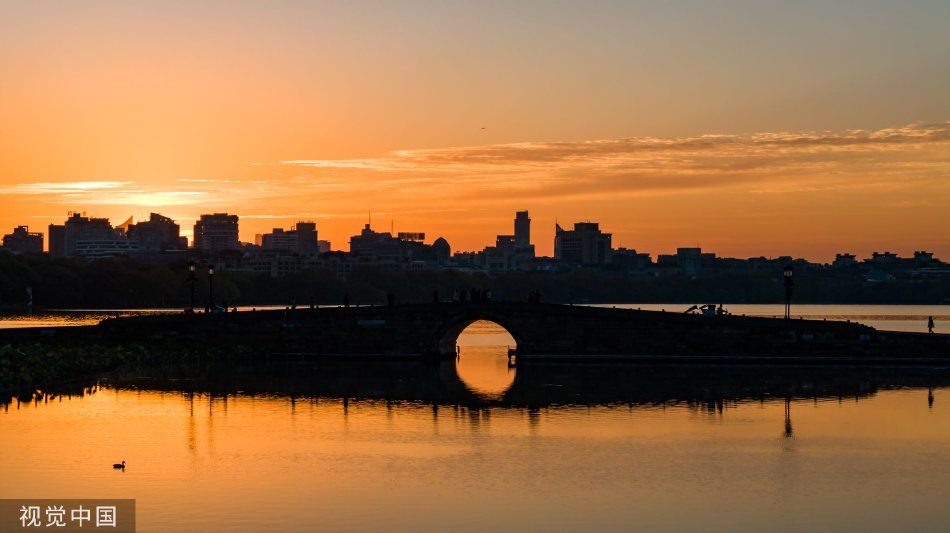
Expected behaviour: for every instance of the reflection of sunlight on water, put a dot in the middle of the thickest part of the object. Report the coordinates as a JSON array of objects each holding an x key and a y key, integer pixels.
[
  {"x": 74, "y": 317},
  {"x": 483, "y": 363},
  {"x": 884, "y": 317},
  {"x": 402, "y": 466},
  {"x": 50, "y": 319}
]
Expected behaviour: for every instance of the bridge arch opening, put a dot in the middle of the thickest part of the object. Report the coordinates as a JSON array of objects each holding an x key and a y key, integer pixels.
[{"x": 482, "y": 361}]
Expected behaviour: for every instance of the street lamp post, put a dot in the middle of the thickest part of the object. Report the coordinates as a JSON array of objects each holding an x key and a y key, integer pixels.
[
  {"x": 210, "y": 287},
  {"x": 191, "y": 281},
  {"x": 789, "y": 283}
]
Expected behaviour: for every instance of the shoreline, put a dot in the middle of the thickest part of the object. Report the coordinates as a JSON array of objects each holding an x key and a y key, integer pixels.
[{"x": 278, "y": 306}]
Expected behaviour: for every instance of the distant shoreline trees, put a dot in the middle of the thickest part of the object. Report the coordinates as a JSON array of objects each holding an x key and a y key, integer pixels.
[{"x": 124, "y": 284}]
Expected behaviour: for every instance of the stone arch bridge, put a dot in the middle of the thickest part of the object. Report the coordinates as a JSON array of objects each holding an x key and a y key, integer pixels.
[{"x": 541, "y": 331}]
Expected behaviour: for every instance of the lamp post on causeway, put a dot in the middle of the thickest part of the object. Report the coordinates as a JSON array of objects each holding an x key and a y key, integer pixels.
[
  {"x": 789, "y": 283},
  {"x": 210, "y": 288},
  {"x": 191, "y": 281}
]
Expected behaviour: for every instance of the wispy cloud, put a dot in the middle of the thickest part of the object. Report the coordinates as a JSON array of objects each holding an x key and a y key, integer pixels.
[
  {"x": 215, "y": 181},
  {"x": 105, "y": 193},
  {"x": 132, "y": 193},
  {"x": 66, "y": 187},
  {"x": 149, "y": 198},
  {"x": 657, "y": 151},
  {"x": 776, "y": 162}
]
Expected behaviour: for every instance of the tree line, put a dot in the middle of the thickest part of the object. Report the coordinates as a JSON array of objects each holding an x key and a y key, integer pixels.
[{"x": 124, "y": 283}]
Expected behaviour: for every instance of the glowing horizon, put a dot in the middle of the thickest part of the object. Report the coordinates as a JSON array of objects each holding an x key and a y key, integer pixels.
[{"x": 906, "y": 168}]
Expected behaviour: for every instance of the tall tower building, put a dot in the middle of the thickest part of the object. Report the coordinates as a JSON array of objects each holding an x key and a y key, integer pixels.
[{"x": 522, "y": 230}]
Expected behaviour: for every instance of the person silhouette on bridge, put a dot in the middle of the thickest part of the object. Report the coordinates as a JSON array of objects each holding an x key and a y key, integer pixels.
[{"x": 930, "y": 325}]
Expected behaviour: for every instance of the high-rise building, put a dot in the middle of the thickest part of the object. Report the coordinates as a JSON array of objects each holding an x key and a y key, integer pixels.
[
  {"x": 505, "y": 244},
  {"x": 690, "y": 260},
  {"x": 307, "y": 241},
  {"x": 923, "y": 258},
  {"x": 501, "y": 257},
  {"x": 217, "y": 232},
  {"x": 443, "y": 251},
  {"x": 57, "y": 241},
  {"x": 21, "y": 241},
  {"x": 90, "y": 238},
  {"x": 81, "y": 228},
  {"x": 584, "y": 245},
  {"x": 157, "y": 235},
  {"x": 382, "y": 247},
  {"x": 523, "y": 249},
  {"x": 377, "y": 246},
  {"x": 278, "y": 239},
  {"x": 511, "y": 252},
  {"x": 522, "y": 230},
  {"x": 302, "y": 239},
  {"x": 844, "y": 260}
]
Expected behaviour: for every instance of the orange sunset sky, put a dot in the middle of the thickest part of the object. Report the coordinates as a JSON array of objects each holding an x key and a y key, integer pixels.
[{"x": 748, "y": 128}]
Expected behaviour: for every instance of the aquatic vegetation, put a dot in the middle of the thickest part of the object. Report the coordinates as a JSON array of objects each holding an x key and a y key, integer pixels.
[{"x": 38, "y": 366}]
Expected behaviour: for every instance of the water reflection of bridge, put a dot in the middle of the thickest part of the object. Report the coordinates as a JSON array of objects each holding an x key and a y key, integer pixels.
[{"x": 542, "y": 385}]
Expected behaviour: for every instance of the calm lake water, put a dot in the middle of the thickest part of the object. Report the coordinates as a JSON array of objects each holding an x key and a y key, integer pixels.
[{"x": 475, "y": 445}]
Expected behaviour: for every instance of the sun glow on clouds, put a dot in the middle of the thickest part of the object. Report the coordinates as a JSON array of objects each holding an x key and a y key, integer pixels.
[
  {"x": 767, "y": 162},
  {"x": 155, "y": 199},
  {"x": 132, "y": 193},
  {"x": 105, "y": 193}
]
